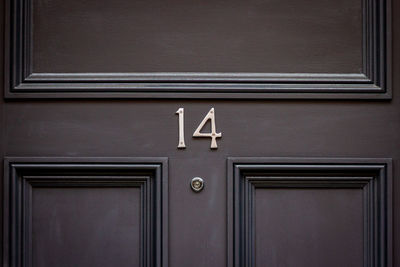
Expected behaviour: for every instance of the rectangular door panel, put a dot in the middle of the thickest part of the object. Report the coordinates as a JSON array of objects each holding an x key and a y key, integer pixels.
[
  {"x": 192, "y": 49},
  {"x": 308, "y": 227},
  {"x": 309, "y": 212},
  {"x": 196, "y": 36},
  {"x": 85, "y": 212},
  {"x": 86, "y": 226}
]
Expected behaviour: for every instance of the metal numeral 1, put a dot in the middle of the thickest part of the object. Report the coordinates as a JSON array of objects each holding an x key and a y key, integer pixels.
[{"x": 181, "y": 143}]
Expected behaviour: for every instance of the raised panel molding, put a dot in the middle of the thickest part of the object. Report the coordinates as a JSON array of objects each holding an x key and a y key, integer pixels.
[
  {"x": 372, "y": 176},
  {"x": 373, "y": 83},
  {"x": 22, "y": 175}
]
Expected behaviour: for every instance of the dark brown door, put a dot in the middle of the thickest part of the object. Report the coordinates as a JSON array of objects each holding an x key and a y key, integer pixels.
[{"x": 283, "y": 115}]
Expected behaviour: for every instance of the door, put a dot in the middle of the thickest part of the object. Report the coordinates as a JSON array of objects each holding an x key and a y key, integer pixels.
[{"x": 200, "y": 133}]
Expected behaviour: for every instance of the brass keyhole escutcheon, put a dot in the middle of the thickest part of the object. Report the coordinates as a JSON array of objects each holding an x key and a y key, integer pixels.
[{"x": 197, "y": 184}]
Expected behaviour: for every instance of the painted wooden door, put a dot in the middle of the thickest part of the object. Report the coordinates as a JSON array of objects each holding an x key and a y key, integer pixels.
[{"x": 289, "y": 114}]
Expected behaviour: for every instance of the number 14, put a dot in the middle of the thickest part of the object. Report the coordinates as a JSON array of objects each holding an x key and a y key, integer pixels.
[{"x": 213, "y": 135}]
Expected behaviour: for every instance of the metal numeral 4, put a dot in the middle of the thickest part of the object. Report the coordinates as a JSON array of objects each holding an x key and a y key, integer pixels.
[{"x": 213, "y": 135}]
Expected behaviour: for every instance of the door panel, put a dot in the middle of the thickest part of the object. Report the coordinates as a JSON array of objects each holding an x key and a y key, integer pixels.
[
  {"x": 207, "y": 49},
  {"x": 309, "y": 212},
  {"x": 308, "y": 227},
  {"x": 68, "y": 233},
  {"x": 194, "y": 36},
  {"x": 85, "y": 212}
]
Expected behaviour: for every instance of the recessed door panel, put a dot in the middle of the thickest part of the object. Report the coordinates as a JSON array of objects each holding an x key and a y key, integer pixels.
[
  {"x": 86, "y": 226},
  {"x": 197, "y": 36},
  {"x": 193, "y": 49},
  {"x": 308, "y": 227},
  {"x": 85, "y": 212},
  {"x": 309, "y": 212}
]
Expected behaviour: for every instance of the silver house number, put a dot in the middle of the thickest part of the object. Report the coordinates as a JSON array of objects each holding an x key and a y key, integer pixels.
[
  {"x": 213, "y": 134},
  {"x": 181, "y": 143}
]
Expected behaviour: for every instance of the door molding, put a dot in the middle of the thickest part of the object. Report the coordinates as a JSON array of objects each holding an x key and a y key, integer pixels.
[
  {"x": 372, "y": 176},
  {"x": 23, "y": 175}
]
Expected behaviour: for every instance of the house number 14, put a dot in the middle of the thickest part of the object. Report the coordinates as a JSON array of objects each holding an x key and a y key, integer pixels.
[{"x": 213, "y": 135}]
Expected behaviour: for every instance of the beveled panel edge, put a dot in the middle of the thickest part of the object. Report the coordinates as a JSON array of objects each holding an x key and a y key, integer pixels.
[
  {"x": 373, "y": 83},
  {"x": 380, "y": 253},
  {"x": 157, "y": 166}
]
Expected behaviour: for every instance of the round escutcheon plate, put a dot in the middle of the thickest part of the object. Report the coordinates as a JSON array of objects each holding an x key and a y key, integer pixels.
[{"x": 197, "y": 184}]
